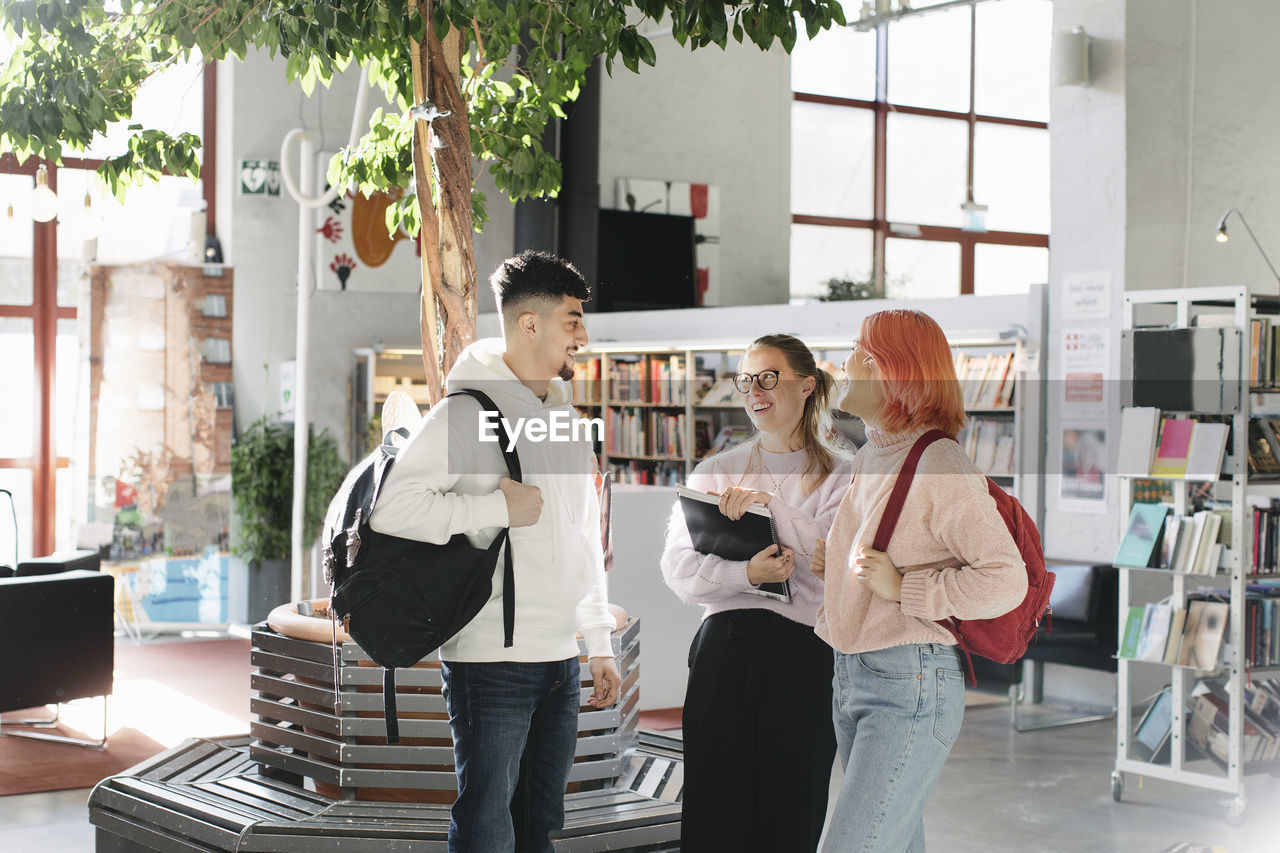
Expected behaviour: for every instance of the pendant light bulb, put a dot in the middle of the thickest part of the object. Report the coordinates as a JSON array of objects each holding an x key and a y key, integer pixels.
[
  {"x": 90, "y": 226},
  {"x": 44, "y": 203}
]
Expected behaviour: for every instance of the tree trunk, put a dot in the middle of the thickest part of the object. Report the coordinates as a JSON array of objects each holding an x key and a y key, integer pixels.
[{"x": 442, "y": 164}]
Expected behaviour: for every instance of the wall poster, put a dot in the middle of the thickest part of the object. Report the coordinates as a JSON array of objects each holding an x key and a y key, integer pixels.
[{"x": 1083, "y": 485}]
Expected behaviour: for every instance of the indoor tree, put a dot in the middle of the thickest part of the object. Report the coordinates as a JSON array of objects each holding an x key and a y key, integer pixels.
[{"x": 467, "y": 78}]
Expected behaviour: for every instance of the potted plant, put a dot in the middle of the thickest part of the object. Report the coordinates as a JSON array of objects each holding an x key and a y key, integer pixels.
[
  {"x": 262, "y": 493},
  {"x": 841, "y": 289}
]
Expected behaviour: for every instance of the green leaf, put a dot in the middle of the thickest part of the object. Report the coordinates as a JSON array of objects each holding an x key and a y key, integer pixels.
[{"x": 647, "y": 53}]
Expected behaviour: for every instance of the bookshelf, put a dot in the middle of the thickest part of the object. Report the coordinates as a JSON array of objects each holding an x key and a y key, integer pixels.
[
  {"x": 377, "y": 371},
  {"x": 1212, "y": 739},
  {"x": 667, "y": 406}
]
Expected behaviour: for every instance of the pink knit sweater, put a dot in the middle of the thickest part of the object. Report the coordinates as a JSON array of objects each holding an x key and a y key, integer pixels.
[
  {"x": 957, "y": 557},
  {"x": 800, "y": 516}
]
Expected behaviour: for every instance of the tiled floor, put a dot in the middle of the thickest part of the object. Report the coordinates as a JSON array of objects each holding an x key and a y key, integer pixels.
[{"x": 1001, "y": 791}]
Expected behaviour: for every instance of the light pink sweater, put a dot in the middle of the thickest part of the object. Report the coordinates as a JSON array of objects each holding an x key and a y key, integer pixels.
[
  {"x": 800, "y": 516},
  {"x": 957, "y": 557}
]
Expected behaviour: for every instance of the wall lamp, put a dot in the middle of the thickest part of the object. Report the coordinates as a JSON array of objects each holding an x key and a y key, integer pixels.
[{"x": 1223, "y": 237}]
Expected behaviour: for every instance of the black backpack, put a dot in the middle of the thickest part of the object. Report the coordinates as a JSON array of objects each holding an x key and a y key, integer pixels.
[{"x": 404, "y": 598}]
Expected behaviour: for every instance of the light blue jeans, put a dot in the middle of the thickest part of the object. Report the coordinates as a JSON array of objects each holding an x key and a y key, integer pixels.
[{"x": 897, "y": 711}]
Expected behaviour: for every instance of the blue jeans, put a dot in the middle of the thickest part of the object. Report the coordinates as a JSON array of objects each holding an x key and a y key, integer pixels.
[
  {"x": 515, "y": 728},
  {"x": 897, "y": 711}
]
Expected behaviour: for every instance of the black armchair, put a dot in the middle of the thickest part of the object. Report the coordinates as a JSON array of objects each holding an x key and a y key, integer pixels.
[
  {"x": 58, "y": 633},
  {"x": 1085, "y": 603}
]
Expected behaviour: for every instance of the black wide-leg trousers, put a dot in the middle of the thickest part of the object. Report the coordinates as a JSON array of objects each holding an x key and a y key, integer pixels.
[{"x": 758, "y": 736}]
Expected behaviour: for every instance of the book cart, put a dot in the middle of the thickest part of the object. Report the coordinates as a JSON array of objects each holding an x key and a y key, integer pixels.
[{"x": 1232, "y": 313}]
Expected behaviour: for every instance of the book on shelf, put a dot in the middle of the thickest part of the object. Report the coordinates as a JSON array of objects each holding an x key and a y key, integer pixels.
[
  {"x": 989, "y": 444},
  {"x": 626, "y": 381},
  {"x": 1202, "y": 634},
  {"x": 1264, "y": 352},
  {"x": 995, "y": 377},
  {"x": 1265, "y": 512},
  {"x": 1188, "y": 564},
  {"x": 586, "y": 382},
  {"x": 1263, "y": 459},
  {"x": 730, "y": 435},
  {"x": 1152, "y": 731},
  {"x": 1139, "y": 426},
  {"x": 647, "y": 473},
  {"x": 1173, "y": 447},
  {"x": 1208, "y": 446},
  {"x": 701, "y": 436},
  {"x": 1184, "y": 546},
  {"x": 1177, "y": 621},
  {"x": 1169, "y": 542},
  {"x": 666, "y": 380},
  {"x": 1156, "y": 619},
  {"x": 1207, "y": 524},
  {"x": 1214, "y": 561},
  {"x": 713, "y": 532},
  {"x": 971, "y": 372},
  {"x": 1263, "y": 696},
  {"x": 1261, "y": 630},
  {"x": 1140, "y": 546},
  {"x": 1209, "y": 727},
  {"x": 1132, "y": 633},
  {"x": 1192, "y": 544},
  {"x": 722, "y": 392}
]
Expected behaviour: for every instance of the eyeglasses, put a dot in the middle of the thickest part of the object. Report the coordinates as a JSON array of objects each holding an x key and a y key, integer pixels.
[
  {"x": 766, "y": 379},
  {"x": 864, "y": 357}
]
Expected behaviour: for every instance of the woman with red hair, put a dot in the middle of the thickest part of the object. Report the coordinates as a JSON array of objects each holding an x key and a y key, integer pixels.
[{"x": 899, "y": 684}]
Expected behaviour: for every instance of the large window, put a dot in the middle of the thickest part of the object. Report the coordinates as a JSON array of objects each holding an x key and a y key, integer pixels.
[
  {"x": 903, "y": 134},
  {"x": 43, "y": 281}
]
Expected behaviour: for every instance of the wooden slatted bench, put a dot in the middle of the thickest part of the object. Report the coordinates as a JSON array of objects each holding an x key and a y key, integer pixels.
[
  {"x": 210, "y": 795},
  {"x": 315, "y": 774},
  {"x": 321, "y": 718}
]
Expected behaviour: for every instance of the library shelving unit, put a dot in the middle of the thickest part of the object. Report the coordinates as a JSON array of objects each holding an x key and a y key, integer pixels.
[
  {"x": 666, "y": 406},
  {"x": 1233, "y": 312},
  {"x": 377, "y": 372}
]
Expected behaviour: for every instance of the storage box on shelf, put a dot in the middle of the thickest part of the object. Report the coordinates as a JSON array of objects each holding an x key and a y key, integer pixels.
[{"x": 1189, "y": 359}]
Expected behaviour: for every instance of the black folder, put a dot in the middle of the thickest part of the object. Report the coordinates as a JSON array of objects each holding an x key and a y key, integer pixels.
[{"x": 713, "y": 532}]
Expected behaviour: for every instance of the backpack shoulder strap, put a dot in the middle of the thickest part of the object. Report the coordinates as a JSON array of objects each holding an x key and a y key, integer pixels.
[
  {"x": 903, "y": 484},
  {"x": 511, "y": 457},
  {"x": 389, "y": 704}
]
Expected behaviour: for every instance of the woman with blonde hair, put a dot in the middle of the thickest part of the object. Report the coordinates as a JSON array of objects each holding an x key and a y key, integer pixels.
[
  {"x": 899, "y": 682},
  {"x": 758, "y": 739}
]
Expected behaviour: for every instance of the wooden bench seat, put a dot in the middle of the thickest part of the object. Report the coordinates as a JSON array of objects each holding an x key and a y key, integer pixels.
[{"x": 210, "y": 795}]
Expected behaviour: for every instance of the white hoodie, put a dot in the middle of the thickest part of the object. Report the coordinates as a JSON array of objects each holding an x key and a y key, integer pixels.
[{"x": 445, "y": 481}]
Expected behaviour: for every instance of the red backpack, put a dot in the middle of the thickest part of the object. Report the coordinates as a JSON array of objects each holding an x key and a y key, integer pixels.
[{"x": 1003, "y": 639}]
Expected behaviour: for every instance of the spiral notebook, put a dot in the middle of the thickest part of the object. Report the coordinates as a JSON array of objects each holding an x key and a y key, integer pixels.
[{"x": 713, "y": 532}]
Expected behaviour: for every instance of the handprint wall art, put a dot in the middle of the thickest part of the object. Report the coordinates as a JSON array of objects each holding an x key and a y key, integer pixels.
[{"x": 354, "y": 251}]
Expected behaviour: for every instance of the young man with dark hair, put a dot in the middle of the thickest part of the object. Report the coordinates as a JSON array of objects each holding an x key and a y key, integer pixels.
[{"x": 514, "y": 710}]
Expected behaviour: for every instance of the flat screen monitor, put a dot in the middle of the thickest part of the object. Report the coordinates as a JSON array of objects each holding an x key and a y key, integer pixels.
[{"x": 645, "y": 261}]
